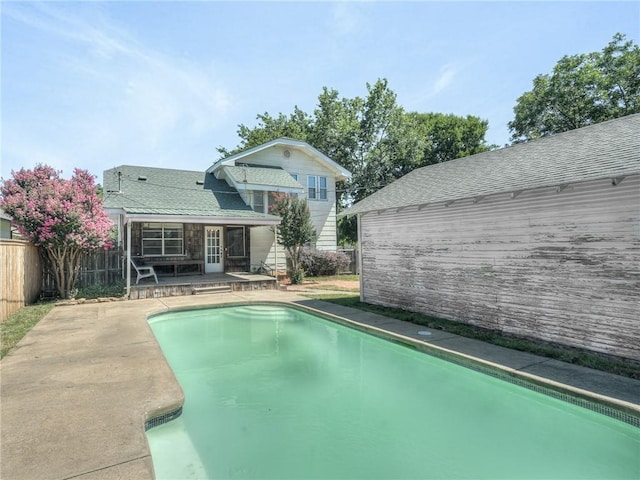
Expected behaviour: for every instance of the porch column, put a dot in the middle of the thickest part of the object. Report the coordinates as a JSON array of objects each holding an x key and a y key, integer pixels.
[{"x": 128, "y": 258}]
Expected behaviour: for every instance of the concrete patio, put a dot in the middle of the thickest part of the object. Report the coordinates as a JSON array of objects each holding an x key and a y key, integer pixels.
[{"x": 77, "y": 389}]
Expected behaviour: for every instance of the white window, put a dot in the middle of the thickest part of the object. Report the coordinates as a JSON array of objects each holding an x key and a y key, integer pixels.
[
  {"x": 316, "y": 187},
  {"x": 258, "y": 201},
  {"x": 323, "y": 188},
  {"x": 162, "y": 239},
  {"x": 311, "y": 187},
  {"x": 295, "y": 177}
]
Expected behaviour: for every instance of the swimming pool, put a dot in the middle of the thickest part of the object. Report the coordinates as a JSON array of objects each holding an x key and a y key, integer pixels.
[{"x": 276, "y": 392}]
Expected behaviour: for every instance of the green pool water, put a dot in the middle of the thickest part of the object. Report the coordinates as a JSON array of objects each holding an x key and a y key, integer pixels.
[{"x": 275, "y": 392}]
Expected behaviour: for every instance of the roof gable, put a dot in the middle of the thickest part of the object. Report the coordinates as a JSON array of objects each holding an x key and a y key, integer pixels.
[
  {"x": 606, "y": 150},
  {"x": 339, "y": 172}
]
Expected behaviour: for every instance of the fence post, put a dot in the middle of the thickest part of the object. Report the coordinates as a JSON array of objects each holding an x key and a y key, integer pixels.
[{"x": 106, "y": 267}]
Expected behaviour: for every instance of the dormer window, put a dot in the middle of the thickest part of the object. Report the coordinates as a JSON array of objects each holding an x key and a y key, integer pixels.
[{"x": 258, "y": 201}]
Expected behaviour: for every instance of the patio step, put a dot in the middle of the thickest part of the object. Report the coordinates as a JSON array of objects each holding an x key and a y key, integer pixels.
[{"x": 208, "y": 290}]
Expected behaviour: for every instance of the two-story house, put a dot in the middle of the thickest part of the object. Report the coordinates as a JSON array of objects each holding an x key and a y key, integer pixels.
[{"x": 218, "y": 220}]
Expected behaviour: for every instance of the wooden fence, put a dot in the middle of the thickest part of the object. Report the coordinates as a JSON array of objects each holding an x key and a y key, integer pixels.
[
  {"x": 99, "y": 268},
  {"x": 21, "y": 272},
  {"x": 352, "y": 254}
]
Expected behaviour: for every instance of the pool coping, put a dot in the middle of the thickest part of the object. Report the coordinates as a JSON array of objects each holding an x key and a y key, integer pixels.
[
  {"x": 79, "y": 388},
  {"x": 618, "y": 409}
]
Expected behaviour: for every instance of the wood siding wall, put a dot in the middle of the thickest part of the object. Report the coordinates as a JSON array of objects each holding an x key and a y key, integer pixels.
[
  {"x": 263, "y": 249},
  {"x": 323, "y": 212},
  {"x": 21, "y": 270},
  {"x": 560, "y": 266}
]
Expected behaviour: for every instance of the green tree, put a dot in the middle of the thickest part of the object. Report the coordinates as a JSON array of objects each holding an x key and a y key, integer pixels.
[
  {"x": 447, "y": 136},
  {"x": 295, "y": 229},
  {"x": 582, "y": 89},
  {"x": 296, "y": 126},
  {"x": 371, "y": 136}
]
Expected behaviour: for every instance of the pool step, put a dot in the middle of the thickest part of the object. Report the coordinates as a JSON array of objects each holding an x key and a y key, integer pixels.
[{"x": 208, "y": 290}]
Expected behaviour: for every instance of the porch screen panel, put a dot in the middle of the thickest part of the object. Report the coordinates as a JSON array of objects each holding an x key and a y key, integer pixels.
[
  {"x": 235, "y": 241},
  {"x": 161, "y": 239}
]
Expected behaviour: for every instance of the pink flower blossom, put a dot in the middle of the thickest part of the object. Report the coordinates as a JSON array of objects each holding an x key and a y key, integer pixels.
[{"x": 53, "y": 212}]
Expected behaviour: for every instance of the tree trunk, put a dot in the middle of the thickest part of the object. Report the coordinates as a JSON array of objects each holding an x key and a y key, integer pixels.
[
  {"x": 294, "y": 253},
  {"x": 65, "y": 264}
]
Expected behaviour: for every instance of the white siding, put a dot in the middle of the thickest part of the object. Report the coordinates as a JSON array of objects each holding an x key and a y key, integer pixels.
[
  {"x": 558, "y": 266},
  {"x": 263, "y": 249},
  {"x": 323, "y": 215},
  {"x": 323, "y": 212}
]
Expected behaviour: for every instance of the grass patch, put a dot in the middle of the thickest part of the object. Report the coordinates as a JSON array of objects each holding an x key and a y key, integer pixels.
[
  {"x": 566, "y": 354},
  {"x": 19, "y": 323},
  {"x": 334, "y": 288},
  {"x": 333, "y": 278}
]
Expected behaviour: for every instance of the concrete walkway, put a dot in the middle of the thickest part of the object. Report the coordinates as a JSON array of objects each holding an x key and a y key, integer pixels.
[{"x": 78, "y": 388}]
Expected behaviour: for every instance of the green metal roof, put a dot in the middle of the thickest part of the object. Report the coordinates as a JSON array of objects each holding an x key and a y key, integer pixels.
[
  {"x": 606, "y": 150},
  {"x": 162, "y": 191},
  {"x": 258, "y": 175}
]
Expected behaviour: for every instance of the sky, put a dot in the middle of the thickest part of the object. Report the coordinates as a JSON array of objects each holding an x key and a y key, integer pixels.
[{"x": 95, "y": 85}]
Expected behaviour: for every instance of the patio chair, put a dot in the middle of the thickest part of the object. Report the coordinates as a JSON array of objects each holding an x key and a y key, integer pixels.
[{"x": 144, "y": 271}]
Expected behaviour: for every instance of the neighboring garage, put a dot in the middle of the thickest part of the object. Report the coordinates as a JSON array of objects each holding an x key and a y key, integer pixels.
[{"x": 538, "y": 239}]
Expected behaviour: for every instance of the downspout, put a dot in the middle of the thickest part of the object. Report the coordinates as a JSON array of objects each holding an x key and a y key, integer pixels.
[{"x": 129, "y": 259}]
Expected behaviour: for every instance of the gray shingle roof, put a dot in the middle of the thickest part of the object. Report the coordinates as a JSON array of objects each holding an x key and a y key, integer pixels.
[
  {"x": 172, "y": 192},
  {"x": 605, "y": 150},
  {"x": 254, "y": 175}
]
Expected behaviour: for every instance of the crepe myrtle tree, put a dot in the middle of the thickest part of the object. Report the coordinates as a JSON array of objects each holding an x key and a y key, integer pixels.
[
  {"x": 63, "y": 218},
  {"x": 295, "y": 230}
]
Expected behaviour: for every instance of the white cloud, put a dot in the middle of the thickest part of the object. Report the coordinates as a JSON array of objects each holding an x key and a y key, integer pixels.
[
  {"x": 445, "y": 78},
  {"x": 115, "y": 99},
  {"x": 347, "y": 18},
  {"x": 105, "y": 39},
  {"x": 424, "y": 94}
]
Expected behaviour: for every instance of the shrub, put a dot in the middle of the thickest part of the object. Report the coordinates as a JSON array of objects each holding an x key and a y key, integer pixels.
[
  {"x": 297, "y": 277},
  {"x": 318, "y": 263},
  {"x": 99, "y": 290}
]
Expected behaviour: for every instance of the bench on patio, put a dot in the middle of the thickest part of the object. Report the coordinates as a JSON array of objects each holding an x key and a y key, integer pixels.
[{"x": 176, "y": 264}]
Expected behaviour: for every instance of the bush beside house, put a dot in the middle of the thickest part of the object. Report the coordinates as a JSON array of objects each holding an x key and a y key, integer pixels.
[{"x": 316, "y": 263}]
